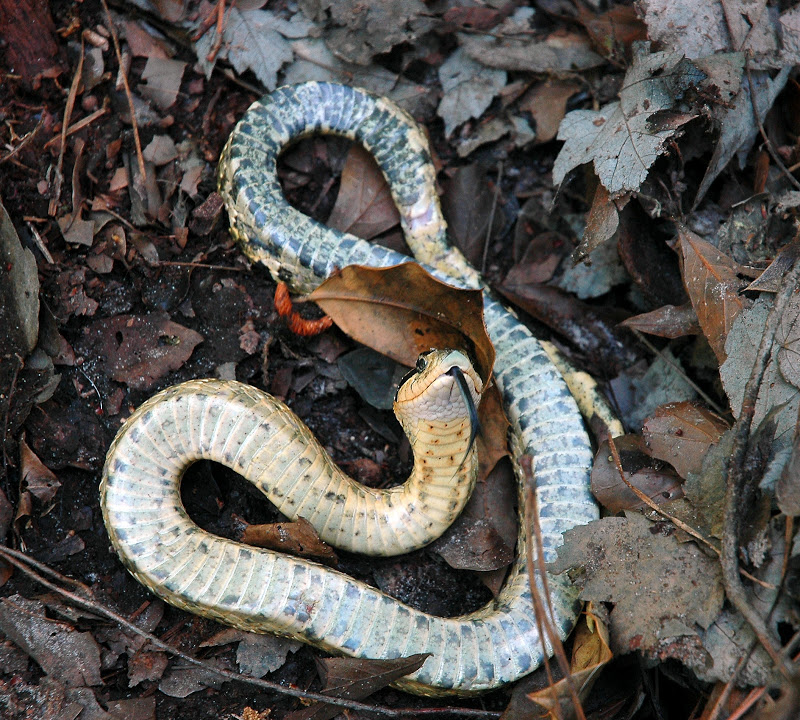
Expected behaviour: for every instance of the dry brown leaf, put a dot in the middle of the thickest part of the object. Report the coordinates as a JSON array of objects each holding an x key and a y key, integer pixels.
[
  {"x": 602, "y": 222},
  {"x": 669, "y": 321},
  {"x": 364, "y": 206},
  {"x": 593, "y": 330},
  {"x": 475, "y": 18},
  {"x": 482, "y": 538},
  {"x": 590, "y": 653},
  {"x": 146, "y": 664},
  {"x": 493, "y": 438},
  {"x": 402, "y": 311},
  {"x": 681, "y": 434},
  {"x": 6, "y": 514},
  {"x": 140, "y": 350},
  {"x": 652, "y": 264},
  {"x": 38, "y": 478},
  {"x": 142, "y": 43},
  {"x": 542, "y": 252},
  {"x": 469, "y": 204},
  {"x": 771, "y": 278},
  {"x": 547, "y": 103},
  {"x": 653, "y": 478},
  {"x": 713, "y": 286},
  {"x": 296, "y": 538},
  {"x": 355, "y": 679},
  {"x": 614, "y": 30}
]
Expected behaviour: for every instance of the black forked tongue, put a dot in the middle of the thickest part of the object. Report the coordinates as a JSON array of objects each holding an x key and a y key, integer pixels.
[{"x": 466, "y": 395}]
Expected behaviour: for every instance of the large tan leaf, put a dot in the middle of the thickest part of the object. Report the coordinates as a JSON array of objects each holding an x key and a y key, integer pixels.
[
  {"x": 402, "y": 311},
  {"x": 713, "y": 286}
]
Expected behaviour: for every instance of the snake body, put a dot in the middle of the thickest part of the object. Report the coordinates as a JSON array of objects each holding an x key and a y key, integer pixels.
[{"x": 265, "y": 591}]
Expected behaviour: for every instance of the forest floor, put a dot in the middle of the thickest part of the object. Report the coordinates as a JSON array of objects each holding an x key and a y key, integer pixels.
[{"x": 625, "y": 176}]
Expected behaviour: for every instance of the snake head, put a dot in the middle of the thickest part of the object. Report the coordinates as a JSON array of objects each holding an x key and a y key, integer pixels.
[{"x": 443, "y": 387}]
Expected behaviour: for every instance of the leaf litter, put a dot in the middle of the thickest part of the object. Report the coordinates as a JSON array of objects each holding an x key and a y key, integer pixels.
[{"x": 685, "y": 111}]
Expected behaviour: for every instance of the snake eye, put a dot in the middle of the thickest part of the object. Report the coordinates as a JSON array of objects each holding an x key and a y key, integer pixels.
[{"x": 422, "y": 360}]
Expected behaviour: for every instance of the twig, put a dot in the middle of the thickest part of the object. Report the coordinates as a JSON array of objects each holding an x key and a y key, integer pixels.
[
  {"x": 212, "y": 54},
  {"x": 23, "y": 141},
  {"x": 82, "y": 123},
  {"x": 25, "y": 564},
  {"x": 544, "y": 620},
  {"x": 177, "y": 263},
  {"x": 137, "y": 141},
  {"x": 770, "y": 149},
  {"x": 38, "y": 240},
  {"x": 68, "y": 108},
  {"x": 733, "y": 476},
  {"x": 491, "y": 216}
]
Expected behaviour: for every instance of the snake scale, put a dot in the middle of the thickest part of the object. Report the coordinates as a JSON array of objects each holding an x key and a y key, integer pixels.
[{"x": 233, "y": 424}]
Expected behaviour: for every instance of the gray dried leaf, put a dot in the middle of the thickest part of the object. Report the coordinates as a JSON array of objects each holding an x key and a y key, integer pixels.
[
  {"x": 180, "y": 681},
  {"x": 256, "y": 40},
  {"x": 19, "y": 293},
  {"x": 62, "y": 652},
  {"x": 700, "y": 29},
  {"x": 775, "y": 392},
  {"x": 787, "y": 338},
  {"x": 737, "y": 125},
  {"x": 315, "y": 61},
  {"x": 657, "y": 584},
  {"x": 621, "y": 139},
  {"x": 160, "y": 150},
  {"x": 163, "y": 77},
  {"x": 640, "y": 394},
  {"x": 469, "y": 89},
  {"x": 595, "y": 278},
  {"x": 510, "y": 47},
  {"x": 258, "y": 655},
  {"x": 368, "y": 29}
]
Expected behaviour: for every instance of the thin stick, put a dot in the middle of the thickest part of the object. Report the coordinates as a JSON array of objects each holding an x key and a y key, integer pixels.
[
  {"x": 491, "y": 217},
  {"x": 73, "y": 93},
  {"x": 659, "y": 353},
  {"x": 23, "y": 141},
  {"x": 82, "y": 123},
  {"x": 137, "y": 141},
  {"x": 544, "y": 619}
]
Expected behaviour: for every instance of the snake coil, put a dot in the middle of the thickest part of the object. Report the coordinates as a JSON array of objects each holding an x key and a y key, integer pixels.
[{"x": 231, "y": 423}]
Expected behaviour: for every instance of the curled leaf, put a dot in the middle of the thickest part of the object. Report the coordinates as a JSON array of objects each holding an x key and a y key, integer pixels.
[{"x": 297, "y": 538}]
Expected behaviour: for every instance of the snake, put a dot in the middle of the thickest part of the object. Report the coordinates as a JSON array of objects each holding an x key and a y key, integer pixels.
[{"x": 239, "y": 426}]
